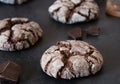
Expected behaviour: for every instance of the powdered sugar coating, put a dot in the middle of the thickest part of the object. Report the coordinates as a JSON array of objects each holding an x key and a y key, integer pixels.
[
  {"x": 73, "y": 11},
  {"x": 18, "y": 33},
  {"x": 13, "y": 1},
  {"x": 71, "y": 59}
]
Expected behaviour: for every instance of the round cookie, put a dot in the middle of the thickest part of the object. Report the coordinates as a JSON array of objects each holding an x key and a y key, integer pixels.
[
  {"x": 71, "y": 59},
  {"x": 73, "y": 11},
  {"x": 13, "y": 1},
  {"x": 18, "y": 33}
]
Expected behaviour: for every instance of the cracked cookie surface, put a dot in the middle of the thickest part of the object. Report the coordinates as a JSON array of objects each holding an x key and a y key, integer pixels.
[
  {"x": 71, "y": 59},
  {"x": 13, "y": 1},
  {"x": 73, "y": 11},
  {"x": 18, "y": 33}
]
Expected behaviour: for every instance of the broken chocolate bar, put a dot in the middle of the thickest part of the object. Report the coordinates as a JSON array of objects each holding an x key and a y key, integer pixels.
[
  {"x": 9, "y": 72},
  {"x": 76, "y": 34}
]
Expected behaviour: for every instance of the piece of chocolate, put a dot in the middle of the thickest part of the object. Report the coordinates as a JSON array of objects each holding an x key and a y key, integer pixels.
[
  {"x": 9, "y": 72},
  {"x": 93, "y": 31},
  {"x": 75, "y": 34}
]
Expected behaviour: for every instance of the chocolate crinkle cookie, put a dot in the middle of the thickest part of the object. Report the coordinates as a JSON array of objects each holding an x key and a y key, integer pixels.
[
  {"x": 13, "y": 1},
  {"x": 73, "y": 11},
  {"x": 71, "y": 59},
  {"x": 18, "y": 33}
]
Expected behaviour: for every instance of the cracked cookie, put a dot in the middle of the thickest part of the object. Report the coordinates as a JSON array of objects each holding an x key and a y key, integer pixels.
[
  {"x": 71, "y": 59},
  {"x": 73, "y": 11},
  {"x": 13, "y": 1},
  {"x": 18, "y": 33}
]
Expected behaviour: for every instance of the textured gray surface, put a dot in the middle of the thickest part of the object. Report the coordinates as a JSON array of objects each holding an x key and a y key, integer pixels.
[{"x": 107, "y": 43}]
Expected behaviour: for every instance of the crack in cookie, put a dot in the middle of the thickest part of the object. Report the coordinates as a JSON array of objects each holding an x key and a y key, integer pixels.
[{"x": 71, "y": 12}]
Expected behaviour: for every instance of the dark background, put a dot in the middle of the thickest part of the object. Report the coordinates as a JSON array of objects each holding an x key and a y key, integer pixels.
[{"x": 107, "y": 43}]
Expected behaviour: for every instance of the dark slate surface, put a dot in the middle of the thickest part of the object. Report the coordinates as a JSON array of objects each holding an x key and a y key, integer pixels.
[{"x": 107, "y": 43}]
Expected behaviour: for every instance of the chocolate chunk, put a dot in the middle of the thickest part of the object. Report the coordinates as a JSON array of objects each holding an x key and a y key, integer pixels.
[
  {"x": 9, "y": 72},
  {"x": 76, "y": 34},
  {"x": 93, "y": 31}
]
